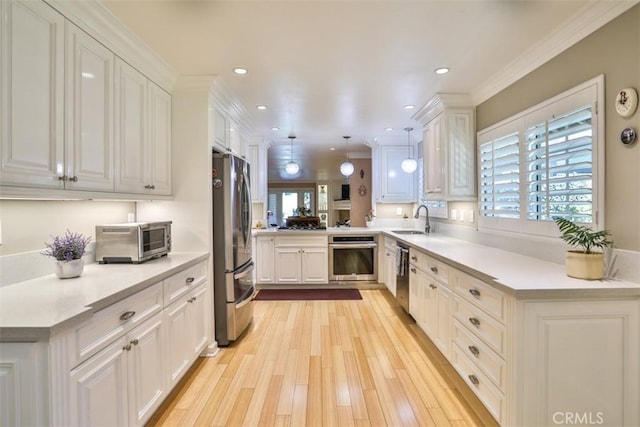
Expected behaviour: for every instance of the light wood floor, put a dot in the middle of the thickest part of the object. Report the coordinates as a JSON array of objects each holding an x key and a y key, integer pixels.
[{"x": 325, "y": 363}]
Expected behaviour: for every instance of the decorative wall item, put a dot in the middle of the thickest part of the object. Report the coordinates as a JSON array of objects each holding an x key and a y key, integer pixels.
[{"x": 362, "y": 190}]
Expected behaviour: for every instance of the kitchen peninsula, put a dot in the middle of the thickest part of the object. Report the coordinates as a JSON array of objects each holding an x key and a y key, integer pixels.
[{"x": 529, "y": 341}]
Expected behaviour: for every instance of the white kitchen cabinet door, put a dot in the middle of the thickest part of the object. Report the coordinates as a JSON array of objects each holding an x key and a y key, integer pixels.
[
  {"x": 288, "y": 266},
  {"x": 177, "y": 319},
  {"x": 145, "y": 353},
  {"x": 158, "y": 170},
  {"x": 256, "y": 154},
  {"x": 396, "y": 186},
  {"x": 433, "y": 158},
  {"x": 99, "y": 388},
  {"x": 444, "y": 324},
  {"x": 89, "y": 113},
  {"x": 390, "y": 268},
  {"x": 265, "y": 259},
  {"x": 315, "y": 265},
  {"x": 32, "y": 89},
  {"x": 198, "y": 321},
  {"x": 131, "y": 130},
  {"x": 220, "y": 132}
]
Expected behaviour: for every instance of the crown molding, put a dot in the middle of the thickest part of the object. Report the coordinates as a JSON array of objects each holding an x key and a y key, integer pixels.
[
  {"x": 589, "y": 18},
  {"x": 97, "y": 21}
]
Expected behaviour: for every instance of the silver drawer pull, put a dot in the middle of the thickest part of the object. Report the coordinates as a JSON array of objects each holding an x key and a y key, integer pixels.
[
  {"x": 414, "y": 258},
  {"x": 474, "y": 321},
  {"x": 474, "y": 292},
  {"x": 189, "y": 280},
  {"x": 432, "y": 286},
  {"x": 413, "y": 270},
  {"x": 127, "y": 315},
  {"x": 434, "y": 269},
  {"x": 127, "y": 347},
  {"x": 474, "y": 350},
  {"x": 134, "y": 341},
  {"x": 150, "y": 187},
  {"x": 474, "y": 380},
  {"x": 192, "y": 299}
]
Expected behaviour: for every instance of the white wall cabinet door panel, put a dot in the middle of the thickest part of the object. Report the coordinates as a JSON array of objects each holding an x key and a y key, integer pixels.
[
  {"x": 265, "y": 259},
  {"x": 32, "y": 95},
  {"x": 433, "y": 158},
  {"x": 396, "y": 186},
  {"x": 158, "y": 167},
  {"x": 147, "y": 388},
  {"x": 131, "y": 133},
  {"x": 99, "y": 388},
  {"x": 89, "y": 113}
]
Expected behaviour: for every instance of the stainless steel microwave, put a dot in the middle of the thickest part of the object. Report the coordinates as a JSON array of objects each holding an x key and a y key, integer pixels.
[{"x": 132, "y": 242}]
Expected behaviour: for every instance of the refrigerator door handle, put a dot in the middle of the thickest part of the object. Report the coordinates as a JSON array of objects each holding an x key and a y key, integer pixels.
[{"x": 245, "y": 271}]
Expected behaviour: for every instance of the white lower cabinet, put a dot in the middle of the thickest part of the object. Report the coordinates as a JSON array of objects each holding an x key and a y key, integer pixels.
[
  {"x": 122, "y": 384},
  {"x": 540, "y": 359},
  {"x": 265, "y": 259},
  {"x": 300, "y": 259},
  {"x": 390, "y": 265}
]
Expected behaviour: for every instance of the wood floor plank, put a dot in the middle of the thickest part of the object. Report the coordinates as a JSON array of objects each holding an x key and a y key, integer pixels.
[{"x": 325, "y": 363}]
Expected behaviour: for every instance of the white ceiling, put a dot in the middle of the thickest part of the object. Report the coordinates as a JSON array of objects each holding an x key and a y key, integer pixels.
[{"x": 326, "y": 69}]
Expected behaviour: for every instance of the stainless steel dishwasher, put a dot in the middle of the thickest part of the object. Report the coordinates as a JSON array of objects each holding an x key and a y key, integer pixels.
[{"x": 402, "y": 275}]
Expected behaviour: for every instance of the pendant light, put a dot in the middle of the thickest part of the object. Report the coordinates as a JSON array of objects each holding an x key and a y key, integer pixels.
[
  {"x": 346, "y": 167},
  {"x": 409, "y": 165},
  {"x": 292, "y": 168}
]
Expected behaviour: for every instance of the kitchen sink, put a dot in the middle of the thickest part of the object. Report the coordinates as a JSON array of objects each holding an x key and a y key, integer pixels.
[{"x": 408, "y": 232}]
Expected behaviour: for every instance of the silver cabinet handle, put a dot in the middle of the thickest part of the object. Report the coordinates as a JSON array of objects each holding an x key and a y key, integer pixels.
[
  {"x": 413, "y": 270},
  {"x": 474, "y": 380},
  {"x": 150, "y": 187},
  {"x": 414, "y": 258},
  {"x": 134, "y": 341},
  {"x": 189, "y": 280},
  {"x": 474, "y": 321},
  {"x": 474, "y": 292},
  {"x": 73, "y": 179},
  {"x": 63, "y": 178},
  {"x": 127, "y": 347},
  {"x": 192, "y": 299},
  {"x": 434, "y": 269},
  {"x": 127, "y": 315},
  {"x": 474, "y": 350},
  {"x": 432, "y": 286}
]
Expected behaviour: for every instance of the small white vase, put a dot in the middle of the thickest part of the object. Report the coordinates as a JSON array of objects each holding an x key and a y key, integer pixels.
[{"x": 69, "y": 269}]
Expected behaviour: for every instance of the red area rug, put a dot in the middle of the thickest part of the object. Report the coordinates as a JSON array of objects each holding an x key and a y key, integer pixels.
[{"x": 307, "y": 294}]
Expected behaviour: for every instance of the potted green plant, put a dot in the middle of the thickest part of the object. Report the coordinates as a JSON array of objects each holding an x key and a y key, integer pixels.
[
  {"x": 68, "y": 251},
  {"x": 584, "y": 263}
]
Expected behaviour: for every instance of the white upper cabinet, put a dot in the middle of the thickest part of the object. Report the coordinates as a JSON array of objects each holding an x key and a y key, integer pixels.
[
  {"x": 228, "y": 121},
  {"x": 449, "y": 148},
  {"x": 89, "y": 113},
  {"x": 32, "y": 95},
  {"x": 256, "y": 154},
  {"x": 394, "y": 184},
  {"x": 143, "y": 134}
]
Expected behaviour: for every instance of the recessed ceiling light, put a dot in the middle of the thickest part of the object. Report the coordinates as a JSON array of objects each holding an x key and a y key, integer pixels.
[
  {"x": 240, "y": 70},
  {"x": 332, "y": 149},
  {"x": 441, "y": 70},
  {"x": 275, "y": 128},
  {"x": 261, "y": 107},
  {"x": 409, "y": 107},
  {"x": 388, "y": 129}
]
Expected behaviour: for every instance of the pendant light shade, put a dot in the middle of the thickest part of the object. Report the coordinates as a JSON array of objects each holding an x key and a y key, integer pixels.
[
  {"x": 292, "y": 168},
  {"x": 409, "y": 165},
  {"x": 346, "y": 167}
]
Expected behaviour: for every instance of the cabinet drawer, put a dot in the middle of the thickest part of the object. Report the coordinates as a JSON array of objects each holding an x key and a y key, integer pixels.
[
  {"x": 434, "y": 268},
  {"x": 114, "y": 321},
  {"x": 492, "y": 365},
  {"x": 481, "y": 324},
  {"x": 182, "y": 282},
  {"x": 486, "y": 296},
  {"x": 477, "y": 381},
  {"x": 300, "y": 241}
]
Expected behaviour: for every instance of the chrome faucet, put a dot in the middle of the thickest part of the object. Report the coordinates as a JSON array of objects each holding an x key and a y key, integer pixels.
[{"x": 427, "y": 226}]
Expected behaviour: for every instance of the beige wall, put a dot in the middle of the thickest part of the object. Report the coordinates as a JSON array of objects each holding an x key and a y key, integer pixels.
[
  {"x": 614, "y": 51},
  {"x": 360, "y": 205}
]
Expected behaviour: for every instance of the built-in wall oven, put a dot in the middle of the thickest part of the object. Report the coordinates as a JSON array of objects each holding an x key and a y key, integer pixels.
[{"x": 353, "y": 257}]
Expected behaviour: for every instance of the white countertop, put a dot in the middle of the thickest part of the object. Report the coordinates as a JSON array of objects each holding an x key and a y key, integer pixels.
[
  {"x": 37, "y": 308},
  {"x": 517, "y": 274}
]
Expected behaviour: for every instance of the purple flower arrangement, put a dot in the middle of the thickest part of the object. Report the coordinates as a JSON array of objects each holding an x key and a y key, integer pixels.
[{"x": 68, "y": 247}]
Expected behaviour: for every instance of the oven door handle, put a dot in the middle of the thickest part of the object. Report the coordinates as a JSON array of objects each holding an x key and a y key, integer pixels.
[{"x": 352, "y": 245}]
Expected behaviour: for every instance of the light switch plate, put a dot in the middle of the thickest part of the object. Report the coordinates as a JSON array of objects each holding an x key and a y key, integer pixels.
[{"x": 454, "y": 214}]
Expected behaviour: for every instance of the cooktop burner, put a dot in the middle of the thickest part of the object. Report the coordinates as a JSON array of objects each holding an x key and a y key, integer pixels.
[{"x": 302, "y": 227}]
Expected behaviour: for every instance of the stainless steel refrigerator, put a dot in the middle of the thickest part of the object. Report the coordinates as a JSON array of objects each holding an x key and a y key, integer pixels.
[{"x": 233, "y": 268}]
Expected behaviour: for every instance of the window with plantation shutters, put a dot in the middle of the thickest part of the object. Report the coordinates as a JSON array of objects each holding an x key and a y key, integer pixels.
[
  {"x": 559, "y": 167},
  {"x": 543, "y": 163}
]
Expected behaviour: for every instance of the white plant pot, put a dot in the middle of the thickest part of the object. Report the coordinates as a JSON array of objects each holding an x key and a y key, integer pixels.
[
  {"x": 69, "y": 269},
  {"x": 369, "y": 223},
  {"x": 581, "y": 265}
]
